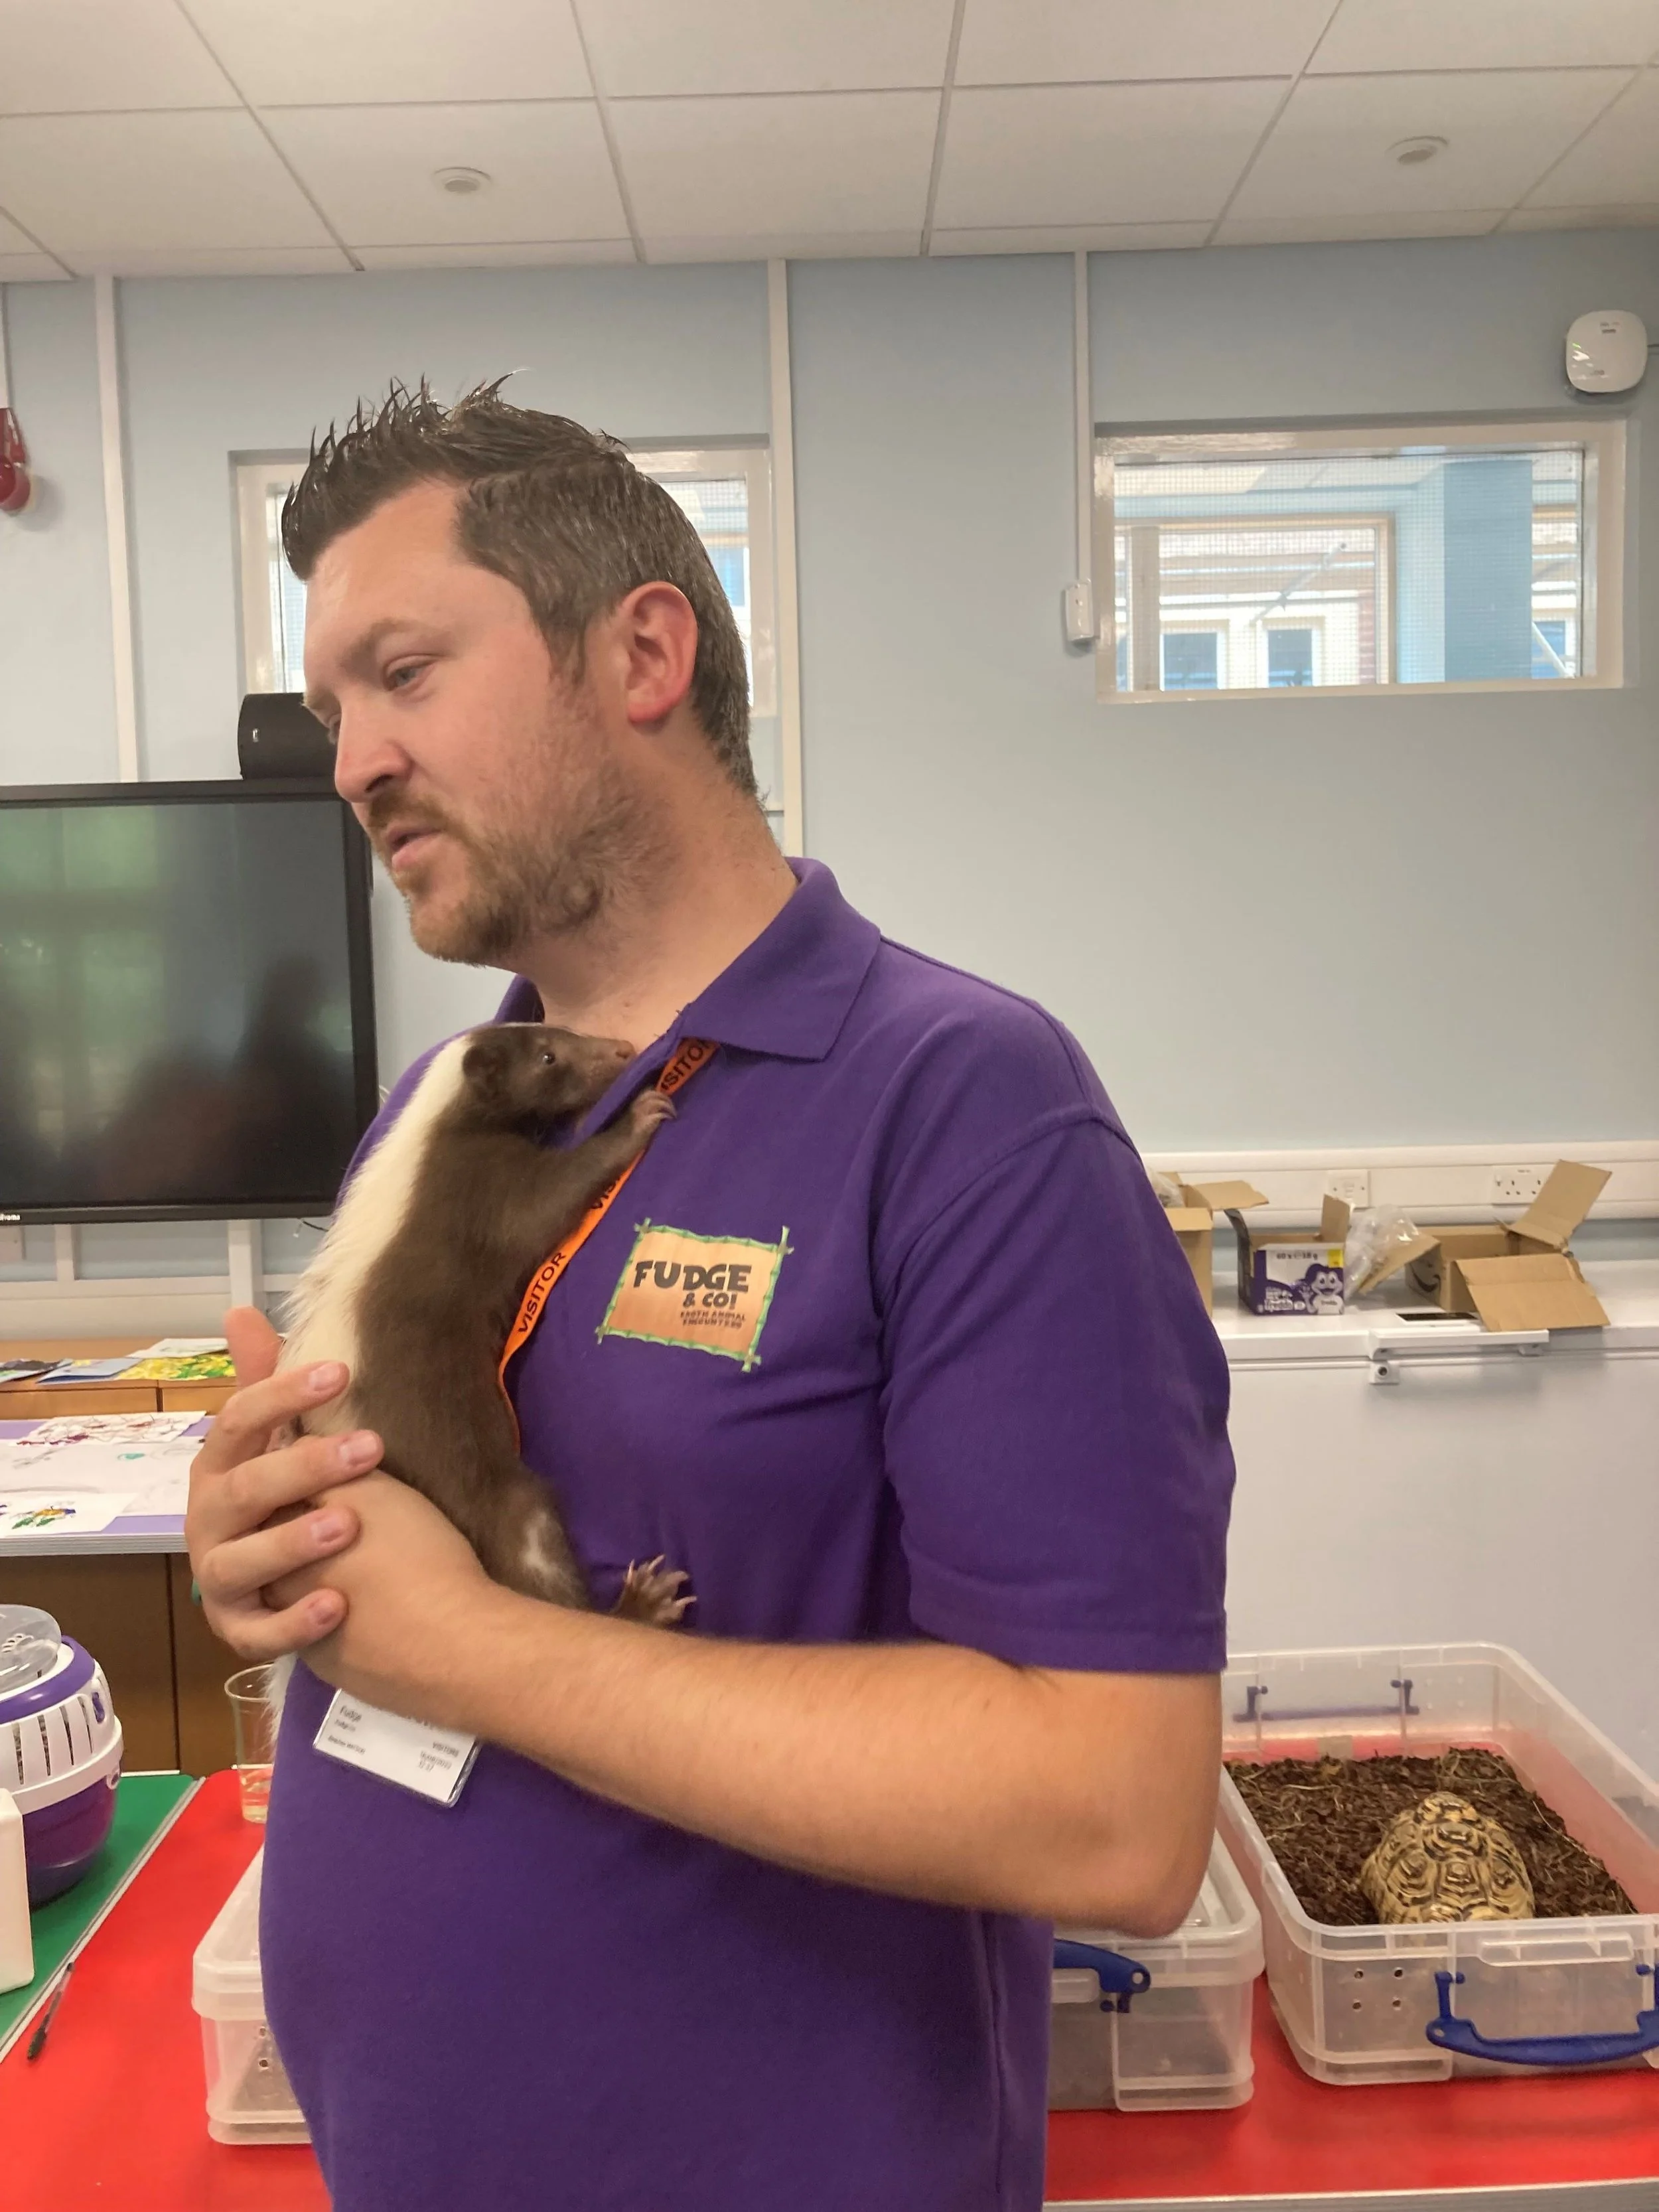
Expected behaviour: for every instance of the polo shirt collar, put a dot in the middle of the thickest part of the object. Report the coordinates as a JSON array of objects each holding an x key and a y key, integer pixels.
[{"x": 789, "y": 993}]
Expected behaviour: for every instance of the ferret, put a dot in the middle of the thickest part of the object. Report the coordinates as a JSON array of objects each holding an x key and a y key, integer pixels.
[{"x": 418, "y": 1282}]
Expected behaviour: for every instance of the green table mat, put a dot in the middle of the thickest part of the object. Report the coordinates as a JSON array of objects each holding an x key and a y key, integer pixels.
[{"x": 144, "y": 1805}]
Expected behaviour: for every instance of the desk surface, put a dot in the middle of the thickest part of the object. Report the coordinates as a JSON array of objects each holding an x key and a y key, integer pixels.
[{"x": 112, "y": 2114}]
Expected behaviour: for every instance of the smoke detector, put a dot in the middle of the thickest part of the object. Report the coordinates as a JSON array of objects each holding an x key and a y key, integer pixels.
[
  {"x": 462, "y": 183},
  {"x": 1607, "y": 351},
  {"x": 1410, "y": 153}
]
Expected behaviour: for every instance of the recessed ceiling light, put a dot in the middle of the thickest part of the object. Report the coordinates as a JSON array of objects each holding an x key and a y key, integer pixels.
[
  {"x": 463, "y": 183},
  {"x": 1410, "y": 151}
]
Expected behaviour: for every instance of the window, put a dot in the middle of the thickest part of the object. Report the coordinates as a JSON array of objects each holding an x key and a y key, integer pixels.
[
  {"x": 273, "y": 599},
  {"x": 1484, "y": 558}
]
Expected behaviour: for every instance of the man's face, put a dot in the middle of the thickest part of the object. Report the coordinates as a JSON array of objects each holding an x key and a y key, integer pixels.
[{"x": 491, "y": 786}]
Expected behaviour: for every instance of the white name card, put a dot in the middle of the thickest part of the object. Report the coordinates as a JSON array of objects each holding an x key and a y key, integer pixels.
[{"x": 433, "y": 1762}]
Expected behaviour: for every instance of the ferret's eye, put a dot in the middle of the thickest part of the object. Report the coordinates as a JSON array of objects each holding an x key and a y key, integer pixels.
[{"x": 547, "y": 1060}]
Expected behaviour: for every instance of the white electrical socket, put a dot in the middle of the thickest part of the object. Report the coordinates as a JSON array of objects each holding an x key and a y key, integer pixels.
[
  {"x": 1516, "y": 1185},
  {"x": 1352, "y": 1185},
  {"x": 11, "y": 1243}
]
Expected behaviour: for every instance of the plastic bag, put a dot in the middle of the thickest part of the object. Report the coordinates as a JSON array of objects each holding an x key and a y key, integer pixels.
[{"x": 1378, "y": 1238}]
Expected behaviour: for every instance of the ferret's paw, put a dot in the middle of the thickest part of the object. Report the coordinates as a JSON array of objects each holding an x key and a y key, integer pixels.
[
  {"x": 651, "y": 1597},
  {"x": 650, "y": 1111}
]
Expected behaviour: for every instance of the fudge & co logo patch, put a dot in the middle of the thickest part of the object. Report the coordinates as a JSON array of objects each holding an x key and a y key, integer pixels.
[{"x": 712, "y": 1293}]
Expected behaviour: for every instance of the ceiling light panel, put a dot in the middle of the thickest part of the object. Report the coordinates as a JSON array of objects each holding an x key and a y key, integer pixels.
[
  {"x": 67, "y": 57},
  {"x": 1315, "y": 228},
  {"x": 1617, "y": 163},
  {"x": 1634, "y": 214},
  {"x": 644, "y": 48},
  {"x": 1329, "y": 151},
  {"x": 371, "y": 169},
  {"x": 1432, "y": 34},
  {"x": 816, "y": 165},
  {"x": 1089, "y": 238},
  {"x": 538, "y": 253},
  {"x": 1097, "y": 154},
  {"x": 372, "y": 52},
  {"x": 1102, "y": 41},
  {"x": 97, "y": 184}
]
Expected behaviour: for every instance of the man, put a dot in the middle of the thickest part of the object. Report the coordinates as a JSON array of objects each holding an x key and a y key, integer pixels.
[{"x": 751, "y": 1914}]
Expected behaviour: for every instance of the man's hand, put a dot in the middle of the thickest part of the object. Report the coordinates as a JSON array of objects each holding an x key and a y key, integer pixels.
[{"x": 247, "y": 1525}]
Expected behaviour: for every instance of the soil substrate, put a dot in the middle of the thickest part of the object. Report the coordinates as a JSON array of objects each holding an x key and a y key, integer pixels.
[{"x": 1323, "y": 1818}]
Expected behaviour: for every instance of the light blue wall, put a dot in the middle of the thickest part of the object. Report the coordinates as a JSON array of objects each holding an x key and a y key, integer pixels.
[
  {"x": 57, "y": 695},
  {"x": 1384, "y": 920}
]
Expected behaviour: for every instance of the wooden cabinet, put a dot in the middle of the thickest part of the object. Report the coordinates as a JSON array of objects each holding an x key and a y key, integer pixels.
[{"x": 133, "y": 1611}]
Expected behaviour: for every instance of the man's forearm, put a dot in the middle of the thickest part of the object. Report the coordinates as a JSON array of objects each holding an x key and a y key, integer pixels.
[{"x": 922, "y": 1769}]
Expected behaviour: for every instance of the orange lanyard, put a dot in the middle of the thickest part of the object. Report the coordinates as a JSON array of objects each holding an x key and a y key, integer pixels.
[{"x": 694, "y": 1053}]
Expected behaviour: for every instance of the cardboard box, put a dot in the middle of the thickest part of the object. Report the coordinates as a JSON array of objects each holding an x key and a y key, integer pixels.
[
  {"x": 1193, "y": 1220},
  {"x": 1521, "y": 1275},
  {"x": 1293, "y": 1271}
]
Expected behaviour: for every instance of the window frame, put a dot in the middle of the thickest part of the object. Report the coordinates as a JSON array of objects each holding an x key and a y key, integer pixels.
[
  {"x": 751, "y": 458},
  {"x": 253, "y": 477},
  {"x": 1600, "y": 612}
]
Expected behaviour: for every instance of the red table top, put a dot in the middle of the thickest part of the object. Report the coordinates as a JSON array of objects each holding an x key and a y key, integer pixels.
[{"x": 112, "y": 2114}]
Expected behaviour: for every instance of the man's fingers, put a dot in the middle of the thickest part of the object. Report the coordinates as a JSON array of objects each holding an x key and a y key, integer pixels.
[
  {"x": 256, "y": 1634},
  {"x": 234, "y": 1573},
  {"x": 230, "y": 1503},
  {"x": 255, "y": 1346},
  {"x": 247, "y": 1421}
]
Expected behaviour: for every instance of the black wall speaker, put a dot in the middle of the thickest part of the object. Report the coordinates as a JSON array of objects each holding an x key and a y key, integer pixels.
[{"x": 277, "y": 734}]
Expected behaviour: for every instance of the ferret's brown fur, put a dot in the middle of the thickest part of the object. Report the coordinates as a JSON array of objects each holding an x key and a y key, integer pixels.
[{"x": 417, "y": 1283}]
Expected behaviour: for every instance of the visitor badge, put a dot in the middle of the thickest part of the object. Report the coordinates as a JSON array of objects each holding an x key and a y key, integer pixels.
[{"x": 433, "y": 1762}]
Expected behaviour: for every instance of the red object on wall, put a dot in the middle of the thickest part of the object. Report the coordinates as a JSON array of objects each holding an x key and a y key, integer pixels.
[{"x": 16, "y": 485}]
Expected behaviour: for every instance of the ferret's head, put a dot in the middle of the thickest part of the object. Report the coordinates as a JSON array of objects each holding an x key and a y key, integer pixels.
[{"x": 521, "y": 1073}]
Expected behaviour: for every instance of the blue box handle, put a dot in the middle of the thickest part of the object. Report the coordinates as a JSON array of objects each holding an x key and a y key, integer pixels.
[
  {"x": 1120, "y": 1978},
  {"x": 1451, "y": 2034}
]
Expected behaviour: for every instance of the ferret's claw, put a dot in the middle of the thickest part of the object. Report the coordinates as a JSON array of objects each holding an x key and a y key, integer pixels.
[{"x": 651, "y": 1597}]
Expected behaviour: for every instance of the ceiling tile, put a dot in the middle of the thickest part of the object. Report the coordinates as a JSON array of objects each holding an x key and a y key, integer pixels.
[
  {"x": 371, "y": 169},
  {"x": 101, "y": 184},
  {"x": 1637, "y": 216},
  {"x": 215, "y": 261},
  {"x": 562, "y": 253},
  {"x": 1329, "y": 150},
  {"x": 1089, "y": 153},
  {"x": 29, "y": 269},
  {"x": 1097, "y": 41},
  {"x": 1326, "y": 230},
  {"x": 1087, "y": 238},
  {"x": 789, "y": 246},
  {"x": 369, "y": 51},
  {"x": 1452, "y": 34},
  {"x": 818, "y": 164},
  {"x": 667, "y": 47},
  {"x": 13, "y": 240},
  {"x": 1618, "y": 162},
  {"x": 67, "y": 57}
]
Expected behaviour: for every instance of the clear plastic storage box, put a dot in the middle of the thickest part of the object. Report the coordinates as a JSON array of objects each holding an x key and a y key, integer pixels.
[
  {"x": 1424, "y": 2003},
  {"x": 1160, "y": 2023},
  {"x": 248, "y": 2097}
]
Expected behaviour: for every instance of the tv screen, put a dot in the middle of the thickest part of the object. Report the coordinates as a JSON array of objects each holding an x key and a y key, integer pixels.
[{"x": 186, "y": 1003}]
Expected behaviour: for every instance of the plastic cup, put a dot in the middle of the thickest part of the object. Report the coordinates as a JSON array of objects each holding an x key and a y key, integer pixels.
[{"x": 249, "y": 1692}]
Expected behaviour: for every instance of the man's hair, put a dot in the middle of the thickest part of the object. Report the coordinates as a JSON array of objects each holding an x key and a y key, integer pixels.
[{"x": 559, "y": 511}]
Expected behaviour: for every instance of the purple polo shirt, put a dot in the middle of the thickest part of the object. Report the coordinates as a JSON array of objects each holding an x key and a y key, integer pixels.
[{"x": 983, "y": 1404}]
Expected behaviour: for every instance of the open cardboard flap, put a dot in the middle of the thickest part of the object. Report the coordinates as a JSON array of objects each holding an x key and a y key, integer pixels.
[
  {"x": 1570, "y": 1191},
  {"x": 1531, "y": 1290},
  {"x": 1222, "y": 1197}
]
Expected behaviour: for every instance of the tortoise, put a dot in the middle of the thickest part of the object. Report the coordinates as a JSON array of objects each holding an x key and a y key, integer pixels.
[{"x": 1442, "y": 1860}]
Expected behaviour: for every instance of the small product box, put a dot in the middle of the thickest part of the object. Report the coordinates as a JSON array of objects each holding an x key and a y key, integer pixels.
[
  {"x": 1158, "y": 2025},
  {"x": 249, "y": 2100},
  {"x": 1289, "y": 1270}
]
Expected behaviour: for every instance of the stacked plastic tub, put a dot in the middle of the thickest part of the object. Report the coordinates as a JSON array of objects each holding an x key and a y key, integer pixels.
[
  {"x": 1158, "y": 2025},
  {"x": 249, "y": 2098},
  {"x": 1425, "y": 2002}
]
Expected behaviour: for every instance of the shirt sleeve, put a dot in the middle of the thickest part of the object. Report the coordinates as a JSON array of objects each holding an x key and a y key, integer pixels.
[{"x": 1054, "y": 1419}]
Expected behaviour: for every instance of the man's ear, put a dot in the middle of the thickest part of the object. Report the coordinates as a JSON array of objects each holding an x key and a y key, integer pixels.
[{"x": 656, "y": 634}]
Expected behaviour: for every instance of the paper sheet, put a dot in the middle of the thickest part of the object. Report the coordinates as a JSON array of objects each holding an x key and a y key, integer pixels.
[
  {"x": 94, "y": 1465},
  {"x": 60, "y": 1512},
  {"x": 181, "y": 1347},
  {"x": 111, "y": 1428}
]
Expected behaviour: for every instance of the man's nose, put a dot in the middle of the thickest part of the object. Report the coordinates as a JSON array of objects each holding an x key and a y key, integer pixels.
[{"x": 366, "y": 756}]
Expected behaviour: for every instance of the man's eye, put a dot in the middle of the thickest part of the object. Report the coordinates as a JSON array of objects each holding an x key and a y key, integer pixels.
[{"x": 397, "y": 678}]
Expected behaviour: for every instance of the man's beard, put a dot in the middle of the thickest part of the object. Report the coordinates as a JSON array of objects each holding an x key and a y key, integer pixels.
[{"x": 532, "y": 880}]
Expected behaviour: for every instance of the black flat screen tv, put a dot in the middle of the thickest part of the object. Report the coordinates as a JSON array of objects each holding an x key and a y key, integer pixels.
[{"x": 186, "y": 1000}]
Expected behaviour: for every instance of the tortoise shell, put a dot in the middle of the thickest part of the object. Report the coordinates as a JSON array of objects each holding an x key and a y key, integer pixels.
[{"x": 1442, "y": 1860}]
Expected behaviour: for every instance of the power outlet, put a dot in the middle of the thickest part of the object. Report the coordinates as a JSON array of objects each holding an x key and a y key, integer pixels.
[
  {"x": 11, "y": 1244},
  {"x": 1516, "y": 1185},
  {"x": 1352, "y": 1185}
]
